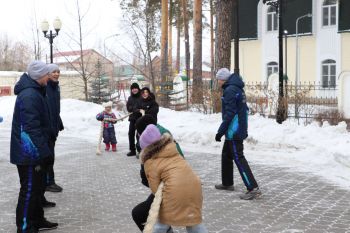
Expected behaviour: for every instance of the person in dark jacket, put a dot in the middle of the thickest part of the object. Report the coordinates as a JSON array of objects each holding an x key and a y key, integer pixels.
[
  {"x": 53, "y": 98},
  {"x": 132, "y": 106},
  {"x": 235, "y": 128},
  {"x": 29, "y": 146},
  {"x": 1, "y": 119},
  {"x": 148, "y": 103}
]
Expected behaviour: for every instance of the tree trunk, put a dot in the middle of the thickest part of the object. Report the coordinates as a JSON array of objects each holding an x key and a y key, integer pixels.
[
  {"x": 197, "y": 87},
  {"x": 223, "y": 41},
  {"x": 187, "y": 47},
  {"x": 164, "y": 49},
  {"x": 212, "y": 59},
  {"x": 178, "y": 45},
  {"x": 170, "y": 39}
]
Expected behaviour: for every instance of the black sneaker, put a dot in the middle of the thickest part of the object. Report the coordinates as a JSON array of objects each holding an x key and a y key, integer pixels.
[
  {"x": 54, "y": 188},
  {"x": 252, "y": 194},
  {"x": 224, "y": 187},
  {"x": 46, "y": 225},
  {"x": 48, "y": 204},
  {"x": 131, "y": 153},
  {"x": 30, "y": 230}
]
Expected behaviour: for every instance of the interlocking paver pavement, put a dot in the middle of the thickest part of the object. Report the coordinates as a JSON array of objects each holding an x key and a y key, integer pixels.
[{"x": 100, "y": 191}]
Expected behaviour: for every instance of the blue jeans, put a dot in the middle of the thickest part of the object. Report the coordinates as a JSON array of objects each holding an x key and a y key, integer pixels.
[{"x": 163, "y": 228}]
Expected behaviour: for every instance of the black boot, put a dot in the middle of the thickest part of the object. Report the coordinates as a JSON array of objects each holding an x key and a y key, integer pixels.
[
  {"x": 131, "y": 153},
  {"x": 46, "y": 225},
  {"x": 54, "y": 188}
]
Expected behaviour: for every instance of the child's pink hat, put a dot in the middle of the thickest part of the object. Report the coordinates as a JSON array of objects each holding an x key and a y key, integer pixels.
[{"x": 150, "y": 135}]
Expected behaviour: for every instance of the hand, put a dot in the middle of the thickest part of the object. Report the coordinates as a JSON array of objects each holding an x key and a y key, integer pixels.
[
  {"x": 218, "y": 137},
  {"x": 37, "y": 168},
  {"x": 142, "y": 112}
]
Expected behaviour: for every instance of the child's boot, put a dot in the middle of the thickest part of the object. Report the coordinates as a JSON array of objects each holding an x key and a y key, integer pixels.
[
  {"x": 107, "y": 146},
  {"x": 114, "y": 147}
]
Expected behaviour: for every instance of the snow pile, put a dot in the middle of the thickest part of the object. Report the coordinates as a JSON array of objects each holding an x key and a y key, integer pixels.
[{"x": 319, "y": 150}]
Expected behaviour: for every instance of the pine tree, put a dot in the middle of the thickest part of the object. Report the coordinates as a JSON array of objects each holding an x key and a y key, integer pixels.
[{"x": 99, "y": 86}]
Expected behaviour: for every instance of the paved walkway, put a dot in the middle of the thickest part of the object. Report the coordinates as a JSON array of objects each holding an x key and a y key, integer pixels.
[{"x": 100, "y": 191}]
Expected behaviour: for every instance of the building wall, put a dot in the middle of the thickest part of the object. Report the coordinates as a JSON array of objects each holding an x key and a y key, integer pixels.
[
  {"x": 71, "y": 85},
  {"x": 249, "y": 57},
  {"x": 345, "y": 50}
]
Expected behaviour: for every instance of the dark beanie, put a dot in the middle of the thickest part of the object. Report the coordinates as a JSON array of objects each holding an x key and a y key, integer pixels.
[
  {"x": 143, "y": 122},
  {"x": 134, "y": 85}
]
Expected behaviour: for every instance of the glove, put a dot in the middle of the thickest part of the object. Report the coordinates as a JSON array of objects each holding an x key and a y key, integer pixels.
[
  {"x": 37, "y": 168},
  {"x": 142, "y": 112},
  {"x": 218, "y": 137}
]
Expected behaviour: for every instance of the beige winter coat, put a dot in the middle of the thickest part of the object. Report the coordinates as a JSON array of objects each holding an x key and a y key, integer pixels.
[{"x": 182, "y": 192}]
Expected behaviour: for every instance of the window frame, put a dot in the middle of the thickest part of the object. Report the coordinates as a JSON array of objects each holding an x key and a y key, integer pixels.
[
  {"x": 329, "y": 80},
  {"x": 271, "y": 15},
  {"x": 274, "y": 66},
  {"x": 329, "y": 7}
]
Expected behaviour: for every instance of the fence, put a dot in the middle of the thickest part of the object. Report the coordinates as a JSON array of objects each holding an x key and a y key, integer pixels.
[{"x": 304, "y": 100}]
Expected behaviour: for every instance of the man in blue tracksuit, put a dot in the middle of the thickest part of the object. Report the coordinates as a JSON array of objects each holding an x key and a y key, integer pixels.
[
  {"x": 29, "y": 147},
  {"x": 234, "y": 126}
]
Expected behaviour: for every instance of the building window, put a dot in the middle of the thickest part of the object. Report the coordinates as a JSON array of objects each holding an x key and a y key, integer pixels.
[
  {"x": 272, "y": 67},
  {"x": 329, "y": 13},
  {"x": 328, "y": 73},
  {"x": 272, "y": 21}
]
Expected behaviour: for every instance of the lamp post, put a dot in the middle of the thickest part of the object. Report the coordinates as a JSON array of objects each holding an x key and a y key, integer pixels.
[
  {"x": 281, "y": 114},
  {"x": 285, "y": 32},
  {"x": 57, "y": 24},
  {"x": 297, "y": 65},
  {"x": 104, "y": 42}
]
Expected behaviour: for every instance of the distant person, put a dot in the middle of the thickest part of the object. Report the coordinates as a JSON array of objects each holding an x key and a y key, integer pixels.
[
  {"x": 148, "y": 103},
  {"x": 132, "y": 107},
  {"x": 235, "y": 128},
  {"x": 53, "y": 98},
  {"x": 182, "y": 199},
  {"x": 1, "y": 119},
  {"x": 109, "y": 119},
  {"x": 29, "y": 147}
]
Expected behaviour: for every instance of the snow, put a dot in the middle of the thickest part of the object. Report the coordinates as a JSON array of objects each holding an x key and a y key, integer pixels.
[{"x": 322, "y": 151}]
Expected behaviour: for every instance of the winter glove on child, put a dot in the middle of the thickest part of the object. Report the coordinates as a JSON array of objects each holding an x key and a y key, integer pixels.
[{"x": 218, "y": 137}]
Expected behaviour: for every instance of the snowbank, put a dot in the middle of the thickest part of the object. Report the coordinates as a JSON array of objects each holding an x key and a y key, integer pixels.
[{"x": 323, "y": 151}]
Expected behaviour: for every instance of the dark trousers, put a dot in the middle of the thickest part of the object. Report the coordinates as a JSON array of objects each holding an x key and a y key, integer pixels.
[
  {"x": 29, "y": 209},
  {"x": 233, "y": 151},
  {"x": 50, "y": 174},
  {"x": 140, "y": 212},
  {"x": 132, "y": 132},
  {"x": 109, "y": 136}
]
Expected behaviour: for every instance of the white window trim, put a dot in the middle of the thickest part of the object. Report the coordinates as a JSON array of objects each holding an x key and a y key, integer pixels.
[
  {"x": 273, "y": 66},
  {"x": 273, "y": 14},
  {"x": 329, "y": 19},
  {"x": 329, "y": 65}
]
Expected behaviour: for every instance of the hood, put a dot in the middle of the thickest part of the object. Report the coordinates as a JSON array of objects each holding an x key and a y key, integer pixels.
[
  {"x": 25, "y": 82},
  {"x": 235, "y": 80}
]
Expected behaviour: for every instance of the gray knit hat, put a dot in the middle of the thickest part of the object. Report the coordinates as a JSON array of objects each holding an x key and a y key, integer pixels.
[
  {"x": 37, "y": 70},
  {"x": 223, "y": 74},
  {"x": 52, "y": 67}
]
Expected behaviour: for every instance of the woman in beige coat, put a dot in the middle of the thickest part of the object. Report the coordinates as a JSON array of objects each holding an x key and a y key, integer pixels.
[{"x": 182, "y": 193}]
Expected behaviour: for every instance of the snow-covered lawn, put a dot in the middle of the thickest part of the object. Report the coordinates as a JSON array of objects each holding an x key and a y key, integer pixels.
[{"x": 324, "y": 151}]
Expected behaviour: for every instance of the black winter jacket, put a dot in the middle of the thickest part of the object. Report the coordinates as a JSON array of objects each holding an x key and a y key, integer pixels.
[
  {"x": 150, "y": 105},
  {"x": 30, "y": 124},
  {"x": 133, "y": 106},
  {"x": 53, "y": 98}
]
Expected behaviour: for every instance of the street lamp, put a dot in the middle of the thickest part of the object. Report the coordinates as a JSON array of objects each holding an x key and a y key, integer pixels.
[
  {"x": 282, "y": 110},
  {"x": 104, "y": 42},
  {"x": 285, "y": 32},
  {"x": 57, "y": 24},
  {"x": 297, "y": 68}
]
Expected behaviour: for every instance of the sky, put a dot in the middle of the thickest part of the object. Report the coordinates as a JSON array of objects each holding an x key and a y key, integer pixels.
[{"x": 103, "y": 18}]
